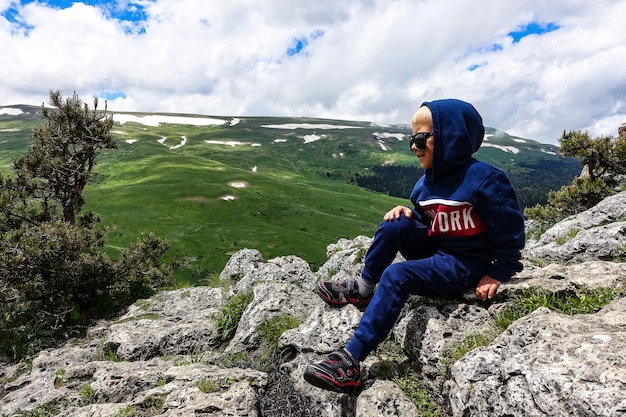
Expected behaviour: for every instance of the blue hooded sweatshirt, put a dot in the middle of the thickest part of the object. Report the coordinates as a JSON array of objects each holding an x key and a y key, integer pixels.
[{"x": 470, "y": 206}]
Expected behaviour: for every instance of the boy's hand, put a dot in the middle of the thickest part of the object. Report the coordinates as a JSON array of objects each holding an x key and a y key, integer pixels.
[
  {"x": 394, "y": 213},
  {"x": 487, "y": 288}
]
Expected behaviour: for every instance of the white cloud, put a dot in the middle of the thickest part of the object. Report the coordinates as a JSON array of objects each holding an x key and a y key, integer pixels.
[{"x": 361, "y": 60}]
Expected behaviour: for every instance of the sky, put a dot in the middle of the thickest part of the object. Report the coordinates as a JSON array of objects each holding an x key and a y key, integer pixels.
[{"x": 532, "y": 68}]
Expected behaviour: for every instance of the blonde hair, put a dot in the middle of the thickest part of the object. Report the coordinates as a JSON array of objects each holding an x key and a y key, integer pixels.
[{"x": 422, "y": 116}]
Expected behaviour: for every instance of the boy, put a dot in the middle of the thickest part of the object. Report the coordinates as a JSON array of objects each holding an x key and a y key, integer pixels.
[{"x": 466, "y": 230}]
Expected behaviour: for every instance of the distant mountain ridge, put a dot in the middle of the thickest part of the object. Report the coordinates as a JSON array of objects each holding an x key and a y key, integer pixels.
[
  {"x": 212, "y": 185},
  {"x": 534, "y": 168}
]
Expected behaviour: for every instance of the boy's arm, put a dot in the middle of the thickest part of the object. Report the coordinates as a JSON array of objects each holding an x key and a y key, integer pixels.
[{"x": 497, "y": 207}]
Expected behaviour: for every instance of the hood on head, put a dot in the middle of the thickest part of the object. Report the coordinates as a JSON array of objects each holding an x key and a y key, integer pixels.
[{"x": 458, "y": 133}]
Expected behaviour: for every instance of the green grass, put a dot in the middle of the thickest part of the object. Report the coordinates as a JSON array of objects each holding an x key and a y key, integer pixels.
[
  {"x": 270, "y": 331},
  {"x": 126, "y": 411},
  {"x": 51, "y": 409},
  {"x": 621, "y": 253},
  {"x": 537, "y": 229},
  {"x": 581, "y": 301},
  {"x": 87, "y": 393},
  {"x": 208, "y": 386},
  {"x": 153, "y": 405},
  {"x": 410, "y": 385},
  {"x": 230, "y": 314},
  {"x": 288, "y": 207},
  {"x": 571, "y": 234}
]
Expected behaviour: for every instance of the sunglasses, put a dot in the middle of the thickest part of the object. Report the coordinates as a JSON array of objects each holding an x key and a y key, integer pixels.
[{"x": 419, "y": 140}]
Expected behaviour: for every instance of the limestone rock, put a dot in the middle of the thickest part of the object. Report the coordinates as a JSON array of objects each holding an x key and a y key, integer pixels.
[
  {"x": 345, "y": 259},
  {"x": 242, "y": 262},
  {"x": 270, "y": 301},
  {"x": 385, "y": 399},
  {"x": 595, "y": 234},
  {"x": 429, "y": 332},
  {"x": 285, "y": 269},
  {"x": 547, "y": 364},
  {"x": 170, "y": 323}
]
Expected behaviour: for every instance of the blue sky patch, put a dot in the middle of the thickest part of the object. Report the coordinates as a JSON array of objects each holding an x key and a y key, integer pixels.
[
  {"x": 474, "y": 67},
  {"x": 299, "y": 44},
  {"x": 111, "y": 95},
  {"x": 483, "y": 51},
  {"x": 12, "y": 15},
  {"x": 532, "y": 28},
  {"x": 132, "y": 14}
]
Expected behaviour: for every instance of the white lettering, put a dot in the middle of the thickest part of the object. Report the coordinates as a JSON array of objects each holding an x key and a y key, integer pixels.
[
  {"x": 468, "y": 222},
  {"x": 442, "y": 222},
  {"x": 455, "y": 219}
]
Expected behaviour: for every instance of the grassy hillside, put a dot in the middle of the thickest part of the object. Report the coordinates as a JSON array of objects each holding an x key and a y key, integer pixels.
[{"x": 279, "y": 185}]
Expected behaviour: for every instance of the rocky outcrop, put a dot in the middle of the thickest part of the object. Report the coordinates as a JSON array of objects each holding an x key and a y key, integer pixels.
[
  {"x": 547, "y": 364},
  {"x": 165, "y": 355},
  {"x": 596, "y": 234}
]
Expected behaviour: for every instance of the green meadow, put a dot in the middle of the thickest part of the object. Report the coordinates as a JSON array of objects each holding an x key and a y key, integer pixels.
[
  {"x": 210, "y": 200},
  {"x": 187, "y": 200},
  {"x": 283, "y": 186}
]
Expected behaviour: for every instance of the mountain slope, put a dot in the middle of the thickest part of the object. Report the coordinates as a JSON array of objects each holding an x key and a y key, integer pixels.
[{"x": 284, "y": 186}]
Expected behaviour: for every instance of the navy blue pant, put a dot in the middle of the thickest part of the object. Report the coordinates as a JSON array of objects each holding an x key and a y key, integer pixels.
[{"x": 426, "y": 272}]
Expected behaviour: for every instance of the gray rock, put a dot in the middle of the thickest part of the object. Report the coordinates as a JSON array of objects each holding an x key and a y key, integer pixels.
[
  {"x": 270, "y": 301},
  {"x": 595, "y": 234},
  {"x": 242, "y": 262},
  {"x": 170, "y": 323},
  {"x": 286, "y": 269},
  {"x": 324, "y": 330},
  {"x": 597, "y": 243},
  {"x": 345, "y": 259},
  {"x": 547, "y": 364},
  {"x": 555, "y": 278},
  {"x": 429, "y": 332},
  {"x": 385, "y": 399}
]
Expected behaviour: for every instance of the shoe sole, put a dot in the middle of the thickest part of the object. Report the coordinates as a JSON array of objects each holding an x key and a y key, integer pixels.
[
  {"x": 315, "y": 379},
  {"x": 329, "y": 301}
]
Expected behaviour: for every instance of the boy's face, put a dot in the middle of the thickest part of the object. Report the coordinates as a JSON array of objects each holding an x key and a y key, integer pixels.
[{"x": 425, "y": 156}]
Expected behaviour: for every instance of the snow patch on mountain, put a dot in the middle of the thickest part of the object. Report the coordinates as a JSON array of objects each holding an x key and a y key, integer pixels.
[{"x": 156, "y": 120}]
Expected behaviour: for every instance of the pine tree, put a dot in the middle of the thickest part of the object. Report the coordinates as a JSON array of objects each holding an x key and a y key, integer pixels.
[{"x": 63, "y": 153}]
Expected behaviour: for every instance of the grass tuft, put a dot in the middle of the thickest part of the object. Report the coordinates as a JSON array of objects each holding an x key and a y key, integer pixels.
[
  {"x": 270, "y": 331},
  {"x": 208, "y": 386},
  {"x": 230, "y": 314},
  {"x": 395, "y": 366},
  {"x": 410, "y": 385}
]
